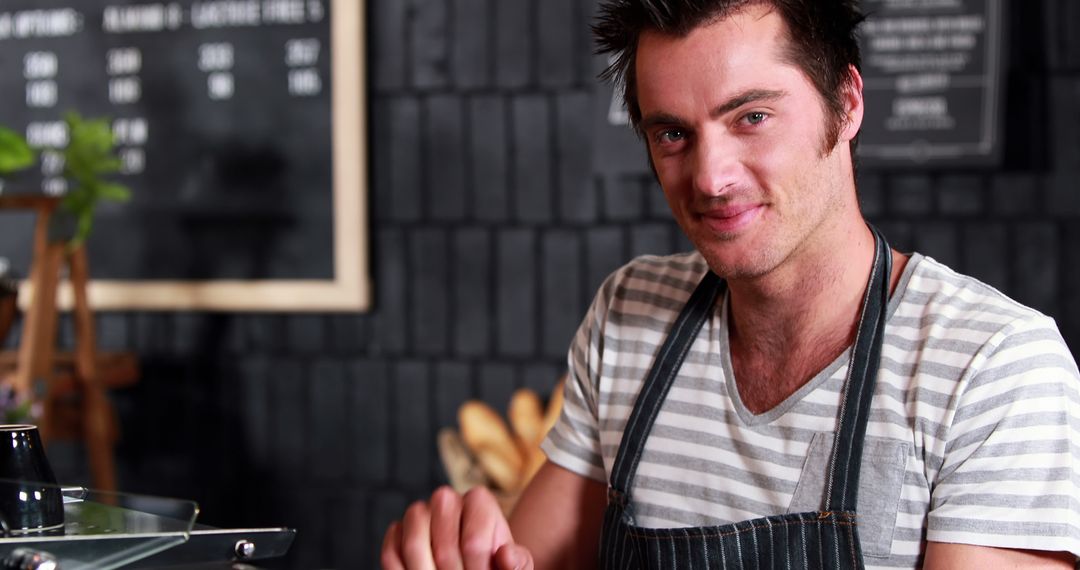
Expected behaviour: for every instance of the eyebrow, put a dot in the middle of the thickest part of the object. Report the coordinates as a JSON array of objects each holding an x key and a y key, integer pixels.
[{"x": 748, "y": 96}]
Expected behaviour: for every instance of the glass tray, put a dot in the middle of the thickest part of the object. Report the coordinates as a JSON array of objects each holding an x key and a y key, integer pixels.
[{"x": 114, "y": 530}]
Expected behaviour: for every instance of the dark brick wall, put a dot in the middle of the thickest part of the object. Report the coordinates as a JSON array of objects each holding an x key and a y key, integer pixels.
[{"x": 489, "y": 236}]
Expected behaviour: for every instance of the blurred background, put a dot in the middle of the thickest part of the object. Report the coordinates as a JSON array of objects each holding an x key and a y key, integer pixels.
[{"x": 491, "y": 226}]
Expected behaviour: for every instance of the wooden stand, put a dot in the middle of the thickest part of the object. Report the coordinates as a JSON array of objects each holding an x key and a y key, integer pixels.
[{"x": 75, "y": 403}]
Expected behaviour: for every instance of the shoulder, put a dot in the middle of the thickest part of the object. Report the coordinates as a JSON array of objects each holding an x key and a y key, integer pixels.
[
  {"x": 653, "y": 281},
  {"x": 939, "y": 301},
  {"x": 959, "y": 329}
]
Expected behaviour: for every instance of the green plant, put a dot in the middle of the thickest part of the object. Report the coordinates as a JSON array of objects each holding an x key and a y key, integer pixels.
[
  {"x": 88, "y": 156},
  {"x": 15, "y": 154}
]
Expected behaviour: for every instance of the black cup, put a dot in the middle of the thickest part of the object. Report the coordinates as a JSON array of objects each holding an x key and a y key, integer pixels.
[{"x": 30, "y": 499}]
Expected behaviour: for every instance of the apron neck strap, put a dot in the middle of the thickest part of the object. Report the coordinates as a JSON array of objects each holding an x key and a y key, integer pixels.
[
  {"x": 658, "y": 382},
  {"x": 842, "y": 486}
]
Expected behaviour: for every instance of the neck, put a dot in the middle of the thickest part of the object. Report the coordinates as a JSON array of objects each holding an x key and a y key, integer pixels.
[{"x": 819, "y": 288}]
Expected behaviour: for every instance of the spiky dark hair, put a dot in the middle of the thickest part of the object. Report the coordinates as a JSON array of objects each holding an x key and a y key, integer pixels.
[{"x": 821, "y": 33}]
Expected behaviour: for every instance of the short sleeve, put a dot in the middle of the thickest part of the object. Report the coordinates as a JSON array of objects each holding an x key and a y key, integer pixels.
[
  {"x": 574, "y": 442},
  {"x": 1010, "y": 474}
]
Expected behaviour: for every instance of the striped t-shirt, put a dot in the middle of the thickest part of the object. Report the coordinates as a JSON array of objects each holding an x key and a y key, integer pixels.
[{"x": 974, "y": 431}]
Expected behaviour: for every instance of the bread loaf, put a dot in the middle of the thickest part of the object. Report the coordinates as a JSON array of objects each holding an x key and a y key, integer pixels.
[
  {"x": 489, "y": 439},
  {"x": 527, "y": 417}
]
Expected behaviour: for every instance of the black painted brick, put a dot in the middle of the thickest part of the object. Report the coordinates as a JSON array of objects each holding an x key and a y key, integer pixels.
[
  {"x": 557, "y": 26},
  {"x": 330, "y": 421},
  {"x": 1062, "y": 195},
  {"x": 1065, "y": 127},
  {"x": 562, "y": 297},
  {"x": 655, "y": 199},
  {"x": 430, "y": 295},
  {"x": 1069, "y": 320},
  {"x": 446, "y": 157},
  {"x": 652, "y": 239},
  {"x": 542, "y": 377},
  {"x": 472, "y": 278},
  {"x": 428, "y": 33},
  {"x": 1035, "y": 270},
  {"x": 488, "y": 144},
  {"x": 533, "y": 191},
  {"x": 349, "y": 333},
  {"x": 387, "y": 506},
  {"x": 111, "y": 330},
  {"x": 348, "y": 527},
  {"x": 1015, "y": 195},
  {"x": 471, "y": 50},
  {"x": 682, "y": 242},
  {"x": 310, "y": 548},
  {"x": 369, "y": 421},
  {"x": 390, "y": 314},
  {"x": 986, "y": 253},
  {"x": 586, "y": 14},
  {"x": 497, "y": 382},
  {"x": 265, "y": 332},
  {"x": 871, "y": 193},
  {"x": 414, "y": 443},
  {"x": 911, "y": 194},
  {"x": 939, "y": 240},
  {"x": 1062, "y": 44},
  {"x": 624, "y": 197},
  {"x": 577, "y": 192},
  {"x": 290, "y": 402},
  {"x": 513, "y": 42},
  {"x": 255, "y": 415},
  {"x": 382, "y": 165},
  {"x": 516, "y": 292},
  {"x": 605, "y": 251},
  {"x": 960, "y": 195},
  {"x": 900, "y": 235},
  {"x": 453, "y": 386},
  {"x": 388, "y": 44},
  {"x": 188, "y": 332},
  {"x": 405, "y": 195},
  {"x": 306, "y": 334}
]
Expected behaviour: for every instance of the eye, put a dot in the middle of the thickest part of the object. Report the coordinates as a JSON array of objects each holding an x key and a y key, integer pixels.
[
  {"x": 755, "y": 117},
  {"x": 670, "y": 136}
]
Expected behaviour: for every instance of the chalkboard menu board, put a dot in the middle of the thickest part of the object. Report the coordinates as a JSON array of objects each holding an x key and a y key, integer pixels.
[
  {"x": 932, "y": 82},
  {"x": 240, "y": 127}
]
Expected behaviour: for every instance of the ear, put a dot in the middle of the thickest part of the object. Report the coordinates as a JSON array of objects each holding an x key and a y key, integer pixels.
[{"x": 853, "y": 105}]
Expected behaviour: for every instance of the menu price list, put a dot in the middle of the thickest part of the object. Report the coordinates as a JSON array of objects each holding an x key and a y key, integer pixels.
[
  {"x": 932, "y": 81},
  {"x": 219, "y": 110}
]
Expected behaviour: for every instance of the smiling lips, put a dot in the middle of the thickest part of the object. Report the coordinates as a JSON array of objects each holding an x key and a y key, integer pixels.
[{"x": 730, "y": 218}]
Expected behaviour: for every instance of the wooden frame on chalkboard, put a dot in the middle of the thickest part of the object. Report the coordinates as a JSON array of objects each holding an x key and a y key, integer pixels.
[{"x": 350, "y": 288}]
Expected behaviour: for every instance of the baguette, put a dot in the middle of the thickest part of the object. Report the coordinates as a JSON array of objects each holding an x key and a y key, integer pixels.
[
  {"x": 526, "y": 415},
  {"x": 489, "y": 439}
]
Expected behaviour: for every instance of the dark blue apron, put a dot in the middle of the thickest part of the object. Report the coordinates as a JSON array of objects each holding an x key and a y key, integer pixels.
[{"x": 812, "y": 540}]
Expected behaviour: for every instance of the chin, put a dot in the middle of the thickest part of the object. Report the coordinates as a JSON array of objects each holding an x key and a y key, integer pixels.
[{"x": 730, "y": 259}]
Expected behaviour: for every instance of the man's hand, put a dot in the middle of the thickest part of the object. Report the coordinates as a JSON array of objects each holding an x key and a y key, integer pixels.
[{"x": 454, "y": 532}]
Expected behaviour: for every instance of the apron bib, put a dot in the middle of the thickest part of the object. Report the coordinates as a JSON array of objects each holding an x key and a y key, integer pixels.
[{"x": 810, "y": 540}]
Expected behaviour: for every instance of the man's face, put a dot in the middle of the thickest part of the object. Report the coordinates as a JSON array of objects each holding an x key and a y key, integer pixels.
[{"x": 736, "y": 136}]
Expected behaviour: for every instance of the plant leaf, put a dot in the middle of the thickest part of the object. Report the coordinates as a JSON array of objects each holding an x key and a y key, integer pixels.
[{"x": 15, "y": 154}]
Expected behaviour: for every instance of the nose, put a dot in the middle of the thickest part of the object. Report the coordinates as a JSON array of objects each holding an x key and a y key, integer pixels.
[{"x": 716, "y": 164}]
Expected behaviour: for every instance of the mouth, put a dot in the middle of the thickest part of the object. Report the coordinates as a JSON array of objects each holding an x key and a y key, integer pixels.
[{"x": 730, "y": 218}]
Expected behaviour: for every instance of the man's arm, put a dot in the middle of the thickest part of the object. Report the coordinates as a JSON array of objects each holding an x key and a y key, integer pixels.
[
  {"x": 944, "y": 555},
  {"x": 558, "y": 518}
]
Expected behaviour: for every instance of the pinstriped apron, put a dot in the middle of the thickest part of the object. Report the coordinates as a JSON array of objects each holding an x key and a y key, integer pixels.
[{"x": 811, "y": 540}]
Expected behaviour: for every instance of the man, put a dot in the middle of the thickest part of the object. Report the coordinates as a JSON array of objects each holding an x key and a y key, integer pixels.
[{"x": 794, "y": 414}]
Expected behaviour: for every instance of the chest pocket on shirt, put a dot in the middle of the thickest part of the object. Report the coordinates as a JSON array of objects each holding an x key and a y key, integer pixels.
[{"x": 880, "y": 481}]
